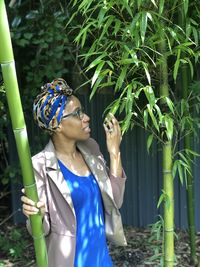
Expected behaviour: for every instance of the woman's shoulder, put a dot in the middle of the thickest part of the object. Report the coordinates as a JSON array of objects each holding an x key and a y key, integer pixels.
[{"x": 38, "y": 160}]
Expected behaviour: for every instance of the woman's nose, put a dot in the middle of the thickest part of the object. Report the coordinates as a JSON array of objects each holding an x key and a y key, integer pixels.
[{"x": 86, "y": 117}]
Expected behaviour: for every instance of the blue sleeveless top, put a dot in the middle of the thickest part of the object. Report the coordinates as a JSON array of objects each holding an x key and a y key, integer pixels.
[{"x": 91, "y": 246}]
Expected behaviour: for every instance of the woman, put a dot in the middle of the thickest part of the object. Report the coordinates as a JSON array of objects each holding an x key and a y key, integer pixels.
[{"x": 79, "y": 196}]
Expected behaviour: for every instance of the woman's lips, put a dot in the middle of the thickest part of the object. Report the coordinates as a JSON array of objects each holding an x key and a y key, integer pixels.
[{"x": 87, "y": 129}]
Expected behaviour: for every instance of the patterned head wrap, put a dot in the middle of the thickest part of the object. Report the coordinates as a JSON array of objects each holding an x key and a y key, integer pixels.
[{"x": 49, "y": 105}]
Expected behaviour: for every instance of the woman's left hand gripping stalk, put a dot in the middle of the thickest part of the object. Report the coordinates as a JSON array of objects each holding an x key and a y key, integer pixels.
[{"x": 29, "y": 207}]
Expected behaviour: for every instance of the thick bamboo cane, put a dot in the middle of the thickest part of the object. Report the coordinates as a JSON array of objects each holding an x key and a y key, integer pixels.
[
  {"x": 184, "y": 83},
  {"x": 190, "y": 181},
  {"x": 19, "y": 128},
  {"x": 167, "y": 168}
]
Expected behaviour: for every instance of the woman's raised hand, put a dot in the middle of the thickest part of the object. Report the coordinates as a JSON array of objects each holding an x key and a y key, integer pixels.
[
  {"x": 29, "y": 207},
  {"x": 113, "y": 134}
]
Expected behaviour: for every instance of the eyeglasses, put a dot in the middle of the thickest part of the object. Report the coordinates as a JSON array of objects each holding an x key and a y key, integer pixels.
[{"x": 79, "y": 113}]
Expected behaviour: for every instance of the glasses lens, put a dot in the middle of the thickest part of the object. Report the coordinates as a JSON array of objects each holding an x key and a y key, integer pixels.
[{"x": 80, "y": 113}]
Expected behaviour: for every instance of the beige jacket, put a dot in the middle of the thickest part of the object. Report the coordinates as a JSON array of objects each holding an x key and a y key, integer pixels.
[{"x": 59, "y": 220}]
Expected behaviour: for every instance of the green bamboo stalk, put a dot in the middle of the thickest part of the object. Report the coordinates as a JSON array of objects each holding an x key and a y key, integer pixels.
[
  {"x": 190, "y": 180},
  {"x": 19, "y": 128},
  {"x": 184, "y": 82},
  {"x": 167, "y": 168}
]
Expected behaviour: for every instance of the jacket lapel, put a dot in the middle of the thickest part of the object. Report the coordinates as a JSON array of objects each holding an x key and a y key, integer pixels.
[{"x": 54, "y": 172}]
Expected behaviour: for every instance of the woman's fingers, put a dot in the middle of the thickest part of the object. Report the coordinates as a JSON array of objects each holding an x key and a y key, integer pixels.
[
  {"x": 29, "y": 207},
  {"x": 111, "y": 125},
  {"x": 40, "y": 205},
  {"x": 28, "y": 201}
]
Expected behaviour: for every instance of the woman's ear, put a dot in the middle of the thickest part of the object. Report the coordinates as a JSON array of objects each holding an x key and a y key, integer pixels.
[{"x": 59, "y": 128}]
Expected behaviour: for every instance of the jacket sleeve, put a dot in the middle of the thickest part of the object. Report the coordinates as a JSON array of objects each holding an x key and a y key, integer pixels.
[
  {"x": 117, "y": 183},
  {"x": 40, "y": 178}
]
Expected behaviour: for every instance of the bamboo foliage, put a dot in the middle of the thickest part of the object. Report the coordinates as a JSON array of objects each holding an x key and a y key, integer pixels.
[
  {"x": 20, "y": 133},
  {"x": 129, "y": 40}
]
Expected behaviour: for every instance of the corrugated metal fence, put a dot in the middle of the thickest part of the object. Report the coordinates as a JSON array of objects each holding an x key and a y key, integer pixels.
[{"x": 144, "y": 183}]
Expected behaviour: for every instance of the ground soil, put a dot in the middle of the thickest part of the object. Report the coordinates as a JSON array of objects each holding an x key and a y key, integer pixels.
[{"x": 142, "y": 249}]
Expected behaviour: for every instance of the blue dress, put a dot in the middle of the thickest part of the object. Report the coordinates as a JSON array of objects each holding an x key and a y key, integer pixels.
[{"x": 91, "y": 246}]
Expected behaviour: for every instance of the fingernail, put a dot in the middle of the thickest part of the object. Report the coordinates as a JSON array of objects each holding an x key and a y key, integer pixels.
[{"x": 36, "y": 209}]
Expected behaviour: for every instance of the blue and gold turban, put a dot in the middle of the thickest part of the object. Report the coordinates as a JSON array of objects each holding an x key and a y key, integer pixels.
[{"x": 49, "y": 105}]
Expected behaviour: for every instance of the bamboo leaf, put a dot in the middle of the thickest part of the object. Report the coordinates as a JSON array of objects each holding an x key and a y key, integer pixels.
[
  {"x": 180, "y": 172},
  {"x": 127, "y": 6},
  {"x": 101, "y": 16},
  {"x": 139, "y": 2},
  {"x": 159, "y": 113},
  {"x": 121, "y": 78},
  {"x": 110, "y": 64},
  {"x": 97, "y": 72},
  {"x": 122, "y": 106},
  {"x": 95, "y": 87},
  {"x": 191, "y": 67},
  {"x": 152, "y": 117},
  {"x": 173, "y": 34},
  {"x": 169, "y": 126},
  {"x": 145, "y": 117},
  {"x": 110, "y": 20},
  {"x": 149, "y": 141},
  {"x": 147, "y": 72},
  {"x": 134, "y": 23},
  {"x": 174, "y": 168},
  {"x": 190, "y": 151},
  {"x": 161, "y": 198},
  {"x": 161, "y": 6},
  {"x": 143, "y": 25},
  {"x": 185, "y": 5},
  {"x": 196, "y": 36},
  {"x": 194, "y": 22},
  {"x": 126, "y": 123},
  {"x": 117, "y": 26},
  {"x": 89, "y": 53},
  {"x": 154, "y": 3},
  {"x": 96, "y": 61},
  {"x": 126, "y": 61},
  {"x": 170, "y": 104},
  {"x": 150, "y": 95},
  {"x": 176, "y": 66},
  {"x": 81, "y": 37}
]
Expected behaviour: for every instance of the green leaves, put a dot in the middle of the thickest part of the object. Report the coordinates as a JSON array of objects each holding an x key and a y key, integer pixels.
[
  {"x": 143, "y": 25},
  {"x": 183, "y": 164},
  {"x": 124, "y": 56}
]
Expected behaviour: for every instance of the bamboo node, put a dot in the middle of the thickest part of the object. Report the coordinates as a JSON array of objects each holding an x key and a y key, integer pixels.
[
  {"x": 37, "y": 237},
  {"x": 19, "y": 129},
  {"x": 167, "y": 171},
  {"x": 30, "y": 185},
  {"x": 5, "y": 63},
  {"x": 169, "y": 230},
  {"x": 169, "y": 260}
]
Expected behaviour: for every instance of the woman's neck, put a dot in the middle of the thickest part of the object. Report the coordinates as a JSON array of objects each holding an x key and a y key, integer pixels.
[{"x": 65, "y": 148}]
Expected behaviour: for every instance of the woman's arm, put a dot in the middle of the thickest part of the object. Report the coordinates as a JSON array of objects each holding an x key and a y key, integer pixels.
[{"x": 113, "y": 141}]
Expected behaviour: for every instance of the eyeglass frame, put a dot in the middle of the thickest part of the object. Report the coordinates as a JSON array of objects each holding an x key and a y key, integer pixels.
[{"x": 75, "y": 113}]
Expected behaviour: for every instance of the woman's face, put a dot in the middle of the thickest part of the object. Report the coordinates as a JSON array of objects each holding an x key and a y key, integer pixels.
[{"x": 75, "y": 123}]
